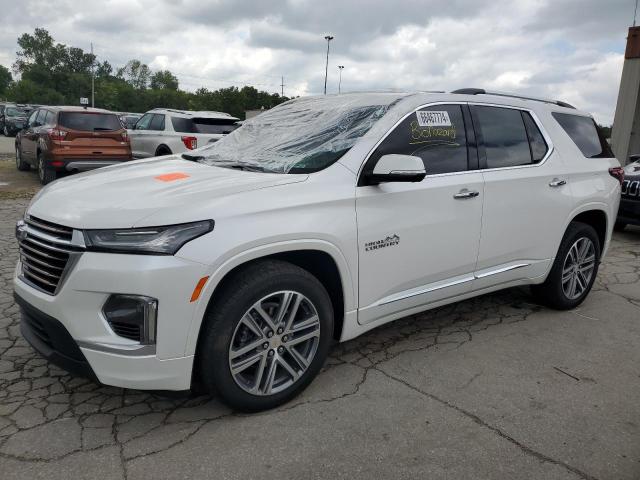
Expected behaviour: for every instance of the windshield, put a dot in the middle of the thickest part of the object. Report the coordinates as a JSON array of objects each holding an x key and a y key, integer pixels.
[
  {"x": 16, "y": 112},
  {"x": 300, "y": 136}
]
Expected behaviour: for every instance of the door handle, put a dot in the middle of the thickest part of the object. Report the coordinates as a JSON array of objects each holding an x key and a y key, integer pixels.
[
  {"x": 557, "y": 182},
  {"x": 465, "y": 193}
]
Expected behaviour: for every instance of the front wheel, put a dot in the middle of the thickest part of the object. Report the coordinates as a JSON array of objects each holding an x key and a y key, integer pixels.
[
  {"x": 574, "y": 269},
  {"x": 266, "y": 336}
]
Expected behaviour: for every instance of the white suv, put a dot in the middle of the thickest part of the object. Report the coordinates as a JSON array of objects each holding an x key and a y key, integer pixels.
[
  {"x": 318, "y": 220},
  {"x": 166, "y": 131}
]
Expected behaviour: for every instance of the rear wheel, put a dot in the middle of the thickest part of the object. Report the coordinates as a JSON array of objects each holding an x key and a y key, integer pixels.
[
  {"x": 5, "y": 131},
  {"x": 574, "y": 269},
  {"x": 266, "y": 337},
  {"x": 45, "y": 174},
  {"x": 21, "y": 164},
  {"x": 163, "y": 150}
]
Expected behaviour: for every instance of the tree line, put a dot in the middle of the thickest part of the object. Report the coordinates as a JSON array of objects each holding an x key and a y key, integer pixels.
[{"x": 52, "y": 73}]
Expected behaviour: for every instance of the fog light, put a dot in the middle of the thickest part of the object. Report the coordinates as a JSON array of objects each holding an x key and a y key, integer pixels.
[{"x": 132, "y": 316}]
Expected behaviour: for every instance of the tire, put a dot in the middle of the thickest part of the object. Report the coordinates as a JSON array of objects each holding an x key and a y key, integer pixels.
[
  {"x": 5, "y": 131},
  {"x": 162, "y": 150},
  {"x": 568, "y": 294},
  {"x": 20, "y": 163},
  {"x": 619, "y": 226},
  {"x": 46, "y": 175},
  {"x": 232, "y": 323}
]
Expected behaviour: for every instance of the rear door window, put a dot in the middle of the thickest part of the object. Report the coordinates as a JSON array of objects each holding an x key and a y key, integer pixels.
[
  {"x": 435, "y": 134},
  {"x": 88, "y": 122},
  {"x": 40, "y": 119},
  {"x": 504, "y": 136},
  {"x": 585, "y": 134},
  {"x": 157, "y": 122},
  {"x": 50, "y": 119}
]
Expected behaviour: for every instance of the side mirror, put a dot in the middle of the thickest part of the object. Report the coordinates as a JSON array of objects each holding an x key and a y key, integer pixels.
[{"x": 397, "y": 168}]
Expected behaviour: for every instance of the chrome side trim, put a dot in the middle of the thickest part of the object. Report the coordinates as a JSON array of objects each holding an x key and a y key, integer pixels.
[
  {"x": 502, "y": 270},
  {"x": 126, "y": 350},
  {"x": 475, "y": 276},
  {"x": 403, "y": 296}
]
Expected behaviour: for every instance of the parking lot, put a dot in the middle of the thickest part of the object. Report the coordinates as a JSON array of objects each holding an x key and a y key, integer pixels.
[{"x": 495, "y": 387}]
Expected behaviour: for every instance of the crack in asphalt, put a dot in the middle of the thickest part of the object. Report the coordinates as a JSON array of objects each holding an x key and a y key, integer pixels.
[{"x": 476, "y": 419}]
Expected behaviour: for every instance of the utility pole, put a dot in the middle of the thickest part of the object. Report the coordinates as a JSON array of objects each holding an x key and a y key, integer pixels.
[
  {"x": 282, "y": 86},
  {"x": 634, "y": 14},
  {"x": 93, "y": 77},
  {"x": 328, "y": 38},
  {"x": 340, "y": 67}
]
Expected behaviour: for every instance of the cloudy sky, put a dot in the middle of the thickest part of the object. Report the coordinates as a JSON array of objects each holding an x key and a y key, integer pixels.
[{"x": 565, "y": 49}]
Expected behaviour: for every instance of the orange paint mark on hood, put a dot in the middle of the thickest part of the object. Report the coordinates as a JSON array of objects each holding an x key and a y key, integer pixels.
[{"x": 171, "y": 177}]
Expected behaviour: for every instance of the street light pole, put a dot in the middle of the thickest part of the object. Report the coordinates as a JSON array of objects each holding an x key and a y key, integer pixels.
[
  {"x": 328, "y": 38},
  {"x": 340, "y": 67}
]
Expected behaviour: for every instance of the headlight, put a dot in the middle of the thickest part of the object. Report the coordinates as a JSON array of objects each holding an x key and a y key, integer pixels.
[{"x": 165, "y": 240}]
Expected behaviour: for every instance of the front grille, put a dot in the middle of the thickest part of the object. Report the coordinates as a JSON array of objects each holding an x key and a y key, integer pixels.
[
  {"x": 45, "y": 253},
  {"x": 631, "y": 188}
]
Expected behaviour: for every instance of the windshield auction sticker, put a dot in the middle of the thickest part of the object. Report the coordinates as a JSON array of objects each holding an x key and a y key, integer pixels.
[{"x": 433, "y": 118}]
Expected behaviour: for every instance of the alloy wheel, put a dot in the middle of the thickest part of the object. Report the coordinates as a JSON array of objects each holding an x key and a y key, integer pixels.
[
  {"x": 274, "y": 343},
  {"x": 578, "y": 268}
]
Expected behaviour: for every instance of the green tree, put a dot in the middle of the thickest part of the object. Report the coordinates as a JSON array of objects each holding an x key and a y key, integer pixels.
[
  {"x": 164, "y": 79},
  {"x": 135, "y": 73},
  {"x": 5, "y": 79}
]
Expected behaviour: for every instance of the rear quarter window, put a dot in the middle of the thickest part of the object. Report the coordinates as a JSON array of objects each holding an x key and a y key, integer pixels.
[
  {"x": 89, "y": 122},
  {"x": 585, "y": 134}
]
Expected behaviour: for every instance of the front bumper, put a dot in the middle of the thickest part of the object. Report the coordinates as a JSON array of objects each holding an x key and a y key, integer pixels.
[
  {"x": 49, "y": 337},
  {"x": 87, "y": 345}
]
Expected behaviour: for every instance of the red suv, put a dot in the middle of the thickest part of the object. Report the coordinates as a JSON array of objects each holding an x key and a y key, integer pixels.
[{"x": 71, "y": 139}]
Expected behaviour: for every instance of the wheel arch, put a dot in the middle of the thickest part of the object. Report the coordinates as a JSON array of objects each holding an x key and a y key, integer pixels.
[
  {"x": 597, "y": 218},
  {"x": 163, "y": 147},
  {"x": 320, "y": 258}
]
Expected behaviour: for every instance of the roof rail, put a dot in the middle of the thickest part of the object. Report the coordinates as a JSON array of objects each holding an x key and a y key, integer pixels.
[{"x": 482, "y": 91}]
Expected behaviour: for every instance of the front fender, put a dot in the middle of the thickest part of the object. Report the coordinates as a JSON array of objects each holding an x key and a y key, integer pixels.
[{"x": 218, "y": 273}]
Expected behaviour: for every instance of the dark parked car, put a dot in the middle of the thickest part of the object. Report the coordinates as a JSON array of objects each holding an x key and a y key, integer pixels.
[
  {"x": 629, "y": 211},
  {"x": 129, "y": 119},
  {"x": 71, "y": 139},
  {"x": 13, "y": 119}
]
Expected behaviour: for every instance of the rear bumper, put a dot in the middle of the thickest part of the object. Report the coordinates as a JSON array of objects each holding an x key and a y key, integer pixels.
[
  {"x": 629, "y": 211},
  {"x": 85, "y": 165}
]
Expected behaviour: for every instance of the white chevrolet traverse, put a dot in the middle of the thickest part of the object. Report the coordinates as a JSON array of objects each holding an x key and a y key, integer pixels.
[{"x": 235, "y": 266}]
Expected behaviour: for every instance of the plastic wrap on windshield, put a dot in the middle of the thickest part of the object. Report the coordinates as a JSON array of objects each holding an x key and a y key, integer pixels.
[{"x": 305, "y": 134}]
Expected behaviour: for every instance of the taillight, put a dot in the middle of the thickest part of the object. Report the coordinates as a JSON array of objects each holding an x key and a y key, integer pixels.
[
  {"x": 56, "y": 134},
  {"x": 617, "y": 173},
  {"x": 125, "y": 136},
  {"x": 190, "y": 142}
]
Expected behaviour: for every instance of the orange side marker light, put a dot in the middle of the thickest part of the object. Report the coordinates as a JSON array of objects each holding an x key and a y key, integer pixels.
[
  {"x": 198, "y": 290},
  {"x": 171, "y": 177}
]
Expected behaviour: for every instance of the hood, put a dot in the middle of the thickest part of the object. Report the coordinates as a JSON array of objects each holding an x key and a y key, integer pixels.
[{"x": 123, "y": 196}]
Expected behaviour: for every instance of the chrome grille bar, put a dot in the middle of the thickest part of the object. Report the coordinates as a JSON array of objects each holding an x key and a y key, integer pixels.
[{"x": 46, "y": 249}]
